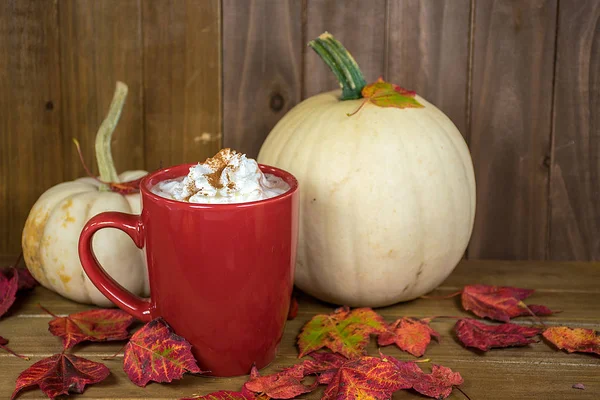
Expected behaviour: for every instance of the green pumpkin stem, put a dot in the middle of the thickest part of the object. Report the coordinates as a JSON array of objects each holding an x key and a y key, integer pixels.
[
  {"x": 341, "y": 62},
  {"x": 106, "y": 166}
]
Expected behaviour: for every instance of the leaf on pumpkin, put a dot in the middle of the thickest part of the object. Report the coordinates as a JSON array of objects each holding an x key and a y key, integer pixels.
[
  {"x": 156, "y": 353},
  {"x": 9, "y": 283},
  {"x": 500, "y": 303},
  {"x": 410, "y": 335},
  {"x": 92, "y": 325},
  {"x": 574, "y": 339},
  {"x": 293, "y": 311},
  {"x": 285, "y": 384},
  {"x": 366, "y": 378},
  {"x": 61, "y": 374},
  {"x": 384, "y": 94},
  {"x": 345, "y": 332},
  {"x": 473, "y": 333}
]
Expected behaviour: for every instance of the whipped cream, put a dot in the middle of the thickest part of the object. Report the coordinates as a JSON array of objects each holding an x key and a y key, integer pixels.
[{"x": 228, "y": 177}]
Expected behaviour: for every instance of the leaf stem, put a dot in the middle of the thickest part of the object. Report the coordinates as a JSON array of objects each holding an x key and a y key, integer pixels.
[
  {"x": 106, "y": 165},
  {"x": 341, "y": 62},
  {"x": 47, "y": 311},
  {"x": 441, "y": 297},
  {"x": 6, "y": 348}
]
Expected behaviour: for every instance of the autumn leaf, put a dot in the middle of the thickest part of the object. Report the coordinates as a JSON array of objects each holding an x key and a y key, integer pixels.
[
  {"x": 384, "y": 94},
  {"x": 325, "y": 365},
  {"x": 473, "y": 333},
  {"x": 574, "y": 339},
  {"x": 439, "y": 383},
  {"x": 25, "y": 279},
  {"x": 224, "y": 395},
  {"x": 156, "y": 353},
  {"x": 345, "y": 332},
  {"x": 9, "y": 283},
  {"x": 61, "y": 374},
  {"x": 499, "y": 302},
  {"x": 92, "y": 325},
  {"x": 282, "y": 385},
  {"x": 365, "y": 378},
  {"x": 411, "y": 335}
]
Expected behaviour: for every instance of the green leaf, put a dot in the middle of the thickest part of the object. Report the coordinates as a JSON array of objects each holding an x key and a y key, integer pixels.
[{"x": 384, "y": 94}]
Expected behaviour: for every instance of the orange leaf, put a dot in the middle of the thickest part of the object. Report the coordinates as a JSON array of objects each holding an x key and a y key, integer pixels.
[
  {"x": 574, "y": 339},
  {"x": 410, "y": 335}
]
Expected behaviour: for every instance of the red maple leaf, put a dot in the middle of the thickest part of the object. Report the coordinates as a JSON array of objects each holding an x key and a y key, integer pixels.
[
  {"x": 325, "y": 365},
  {"x": 365, "y": 378},
  {"x": 282, "y": 385},
  {"x": 224, "y": 395},
  {"x": 411, "y": 335},
  {"x": 9, "y": 283},
  {"x": 439, "y": 383},
  {"x": 156, "y": 353},
  {"x": 345, "y": 332},
  {"x": 574, "y": 339},
  {"x": 92, "y": 325},
  {"x": 61, "y": 374},
  {"x": 473, "y": 333},
  {"x": 500, "y": 302}
]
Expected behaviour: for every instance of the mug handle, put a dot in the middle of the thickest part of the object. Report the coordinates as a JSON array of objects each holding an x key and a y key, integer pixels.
[{"x": 142, "y": 309}]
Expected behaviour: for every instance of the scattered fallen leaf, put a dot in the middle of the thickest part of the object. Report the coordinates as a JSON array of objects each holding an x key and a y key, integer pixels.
[
  {"x": 92, "y": 325},
  {"x": 384, "y": 94},
  {"x": 579, "y": 386},
  {"x": 61, "y": 374},
  {"x": 345, "y": 332},
  {"x": 224, "y": 395},
  {"x": 156, "y": 353},
  {"x": 500, "y": 303},
  {"x": 325, "y": 365},
  {"x": 365, "y": 378},
  {"x": 439, "y": 383},
  {"x": 281, "y": 385},
  {"x": 9, "y": 284},
  {"x": 293, "y": 311},
  {"x": 473, "y": 333},
  {"x": 574, "y": 339},
  {"x": 411, "y": 335}
]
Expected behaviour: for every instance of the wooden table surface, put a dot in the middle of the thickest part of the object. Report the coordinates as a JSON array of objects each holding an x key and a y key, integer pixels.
[{"x": 536, "y": 371}]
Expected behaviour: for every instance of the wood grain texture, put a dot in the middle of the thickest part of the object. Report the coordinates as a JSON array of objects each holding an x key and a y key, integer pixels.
[
  {"x": 101, "y": 43},
  {"x": 182, "y": 81},
  {"x": 359, "y": 25},
  {"x": 534, "y": 371},
  {"x": 262, "y": 47},
  {"x": 428, "y": 51},
  {"x": 31, "y": 150},
  {"x": 510, "y": 126},
  {"x": 575, "y": 178}
]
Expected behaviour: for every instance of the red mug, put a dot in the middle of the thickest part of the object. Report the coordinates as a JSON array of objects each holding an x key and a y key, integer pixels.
[{"x": 221, "y": 275}]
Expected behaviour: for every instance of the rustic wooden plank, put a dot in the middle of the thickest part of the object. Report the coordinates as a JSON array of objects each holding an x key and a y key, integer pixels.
[
  {"x": 428, "y": 51},
  {"x": 575, "y": 212},
  {"x": 359, "y": 25},
  {"x": 182, "y": 81},
  {"x": 262, "y": 51},
  {"x": 30, "y": 141},
  {"x": 100, "y": 43},
  {"x": 510, "y": 126}
]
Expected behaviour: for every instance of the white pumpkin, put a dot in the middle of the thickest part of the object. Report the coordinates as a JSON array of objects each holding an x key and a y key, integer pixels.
[
  {"x": 387, "y": 197},
  {"x": 51, "y": 234}
]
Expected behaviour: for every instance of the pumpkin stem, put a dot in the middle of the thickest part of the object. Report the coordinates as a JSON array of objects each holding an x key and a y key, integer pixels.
[
  {"x": 341, "y": 62},
  {"x": 106, "y": 166}
]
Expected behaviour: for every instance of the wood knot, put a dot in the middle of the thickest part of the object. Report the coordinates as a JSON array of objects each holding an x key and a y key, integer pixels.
[
  {"x": 49, "y": 105},
  {"x": 277, "y": 102}
]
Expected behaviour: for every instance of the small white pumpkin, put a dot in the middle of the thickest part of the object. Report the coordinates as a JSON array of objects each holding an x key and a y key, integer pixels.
[
  {"x": 387, "y": 195},
  {"x": 51, "y": 234}
]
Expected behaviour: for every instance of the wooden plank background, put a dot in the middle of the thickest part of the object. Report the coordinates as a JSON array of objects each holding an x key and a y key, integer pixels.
[{"x": 520, "y": 79}]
